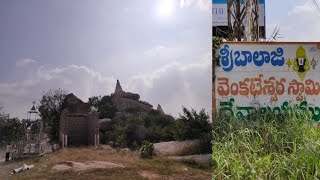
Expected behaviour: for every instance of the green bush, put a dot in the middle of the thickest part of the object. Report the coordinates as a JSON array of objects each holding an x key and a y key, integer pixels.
[
  {"x": 156, "y": 127},
  {"x": 51, "y": 105},
  {"x": 103, "y": 105},
  {"x": 269, "y": 146},
  {"x": 146, "y": 150},
  {"x": 193, "y": 125},
  {"x": 9, "y": 128}
]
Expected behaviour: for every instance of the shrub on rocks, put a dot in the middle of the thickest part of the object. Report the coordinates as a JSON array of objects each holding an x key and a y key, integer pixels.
[{"x": 146, "y": 150}]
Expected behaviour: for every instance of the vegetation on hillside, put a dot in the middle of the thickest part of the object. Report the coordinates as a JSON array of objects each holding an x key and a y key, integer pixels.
[
  {"x": 155, "y": 127},
  {"x": 130, "y": 131},
  {"x": 103, "y": 105}
]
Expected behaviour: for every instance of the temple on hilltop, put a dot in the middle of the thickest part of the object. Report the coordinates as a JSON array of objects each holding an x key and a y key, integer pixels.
[
  {"x": 79, "y": 126},
  {"x": 127, "y": 101}
]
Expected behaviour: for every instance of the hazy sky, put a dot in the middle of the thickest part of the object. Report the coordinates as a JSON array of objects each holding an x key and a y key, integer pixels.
[
  {"x": 159, "y": 49},
  {"x": 298, "y": 20}
]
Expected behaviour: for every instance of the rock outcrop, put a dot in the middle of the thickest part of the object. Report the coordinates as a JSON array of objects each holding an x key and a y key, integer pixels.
[
  {"x": 85, "y": 166},
  {"x": 128, "y": 102},
  {"x": 177, "y": 148},
  {"x": 159, "y": 108}
]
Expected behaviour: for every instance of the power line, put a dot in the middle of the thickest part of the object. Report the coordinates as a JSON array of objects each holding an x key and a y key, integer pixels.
[
  {"x": 317, "y": 5},
  {"x": 314, "y": 9}
]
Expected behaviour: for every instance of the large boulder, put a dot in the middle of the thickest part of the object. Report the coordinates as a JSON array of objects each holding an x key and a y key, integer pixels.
[
  {"x": 127, "y": 101},
  {"x": 85, "y": 166},
  {"x": 159, "y": 108},
  {"x": 125, "y": 104},
  {"x": 130, "y": 95},
  {"x": 177, "y": 148},
  {"x": 107, "y": 147}
]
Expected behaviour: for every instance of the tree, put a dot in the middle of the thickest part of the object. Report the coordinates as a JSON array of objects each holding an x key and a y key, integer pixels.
[
  {"x": 103, "y": 106},
  {"x": 159, "y": 127},
  {"x": 193, "y": 125},
  {"x": 134, "y": 129},
  {"x": 9, "y": 128},
  {"x": 51, "y": 106}
]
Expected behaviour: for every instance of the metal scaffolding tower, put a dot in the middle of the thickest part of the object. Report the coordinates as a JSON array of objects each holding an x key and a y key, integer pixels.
[{"x": 243, "y": 24}]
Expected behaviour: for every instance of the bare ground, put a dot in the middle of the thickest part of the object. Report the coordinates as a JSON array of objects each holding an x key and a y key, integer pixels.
[
  {"x": 134, "y": 167},
  {"x": 202, "y": 159}
]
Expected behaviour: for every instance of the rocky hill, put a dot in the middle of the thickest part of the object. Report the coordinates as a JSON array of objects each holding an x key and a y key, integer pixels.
[{"x": 128, "y": 102}]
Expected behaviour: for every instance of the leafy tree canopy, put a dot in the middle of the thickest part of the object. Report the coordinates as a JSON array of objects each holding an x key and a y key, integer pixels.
[
  {"x": 103, "y": 106},
  {"x": 9, "y": 128},
  {"x": 51, "y": 106},
  {"x": 193, "y": 125}
]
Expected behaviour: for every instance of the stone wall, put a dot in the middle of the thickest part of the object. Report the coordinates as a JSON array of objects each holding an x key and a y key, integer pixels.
[
  {"x": 78, "y": 130},
  {"x": 93, "y": 129},
  {"x": 63, "y": 128},
  {"x": 77, "y": 126}
]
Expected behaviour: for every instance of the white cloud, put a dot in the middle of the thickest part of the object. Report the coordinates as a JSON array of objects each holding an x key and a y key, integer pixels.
[
  {"x": 202, "y": 4},
  {"x": 23, "y": 62},
  {"x": 173, "y": 86},
  {"x": 305, "y": 8},
  {"x": 302, "y": 24},
  {"x": 156, "y": 51},
  {"x": 177, "y": 85},
  {"x": 83, "y": 82}
]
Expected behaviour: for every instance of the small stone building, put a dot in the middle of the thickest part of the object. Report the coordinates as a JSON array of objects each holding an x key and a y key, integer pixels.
[{"x": 78, "y": 126}]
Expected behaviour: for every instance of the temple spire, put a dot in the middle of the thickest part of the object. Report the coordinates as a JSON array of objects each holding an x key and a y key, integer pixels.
[
  {"x": 118, "y": 87},
  {"x": 159, "y": 108}
]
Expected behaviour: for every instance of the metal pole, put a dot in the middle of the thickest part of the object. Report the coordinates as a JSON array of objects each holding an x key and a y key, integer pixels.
[
  {"x": 238, "y": 15},
  {"x": 230, "y": 29},
  {"x": 248, "y": 23}
]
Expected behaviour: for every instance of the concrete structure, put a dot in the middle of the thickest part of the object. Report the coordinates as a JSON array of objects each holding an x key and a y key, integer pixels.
[
  {"x": 78, "y": 126},
  {"x": 31, "y": 139},
  {"x": 234, "y": 20}
]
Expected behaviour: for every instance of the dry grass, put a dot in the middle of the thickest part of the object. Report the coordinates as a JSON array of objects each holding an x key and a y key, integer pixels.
[{"x": 157, "y": 167}]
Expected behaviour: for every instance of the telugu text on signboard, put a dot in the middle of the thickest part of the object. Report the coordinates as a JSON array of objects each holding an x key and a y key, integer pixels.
[{"x": 268, "y": 76}]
